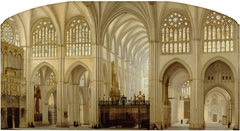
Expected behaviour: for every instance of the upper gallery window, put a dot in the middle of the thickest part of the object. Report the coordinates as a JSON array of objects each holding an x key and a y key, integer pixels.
[
  {"x": 218, "y": 33},
  {"x": 78, "y": 38},
  {"x": 9, "y": 32},
  {"x": 175, "y": 34},
  {"x": 44, "y": 39},
  {"x": 51, "y": 79}
]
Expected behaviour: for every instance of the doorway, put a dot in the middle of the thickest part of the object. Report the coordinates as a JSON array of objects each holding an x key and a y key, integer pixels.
[
  {"x": 214, "y": 117},
  {"x": 13, "y": 113}
]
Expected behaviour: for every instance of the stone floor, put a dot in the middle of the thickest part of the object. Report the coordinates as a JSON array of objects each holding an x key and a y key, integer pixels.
[
  {"x": 209, "y": 126},
  {"x": 178, "y": 126}
]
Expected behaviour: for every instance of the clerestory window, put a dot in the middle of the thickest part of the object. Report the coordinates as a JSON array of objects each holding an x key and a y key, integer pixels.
[
  {"x": 175, "y": 34},
  {"x": 78, "y": 38},
  {"x": 44, "y": 39},
  {"x": 218, "y": 33}
]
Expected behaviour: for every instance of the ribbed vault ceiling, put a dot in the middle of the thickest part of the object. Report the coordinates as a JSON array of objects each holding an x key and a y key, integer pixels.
[{"x": 130, "y": 35}]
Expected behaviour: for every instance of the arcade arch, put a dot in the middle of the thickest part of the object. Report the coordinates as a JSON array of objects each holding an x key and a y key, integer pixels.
[
  {"x": 44, "y": 83},
  {"x": 176, "y": 105},
  {"x": 219, "y": 101},
  {"x": 78, "y": 94}
]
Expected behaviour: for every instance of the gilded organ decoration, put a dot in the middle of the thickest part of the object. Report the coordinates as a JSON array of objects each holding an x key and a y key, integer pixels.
[
  {"x": 114, "y": 93},
  {"x": 13, "y": 84}
]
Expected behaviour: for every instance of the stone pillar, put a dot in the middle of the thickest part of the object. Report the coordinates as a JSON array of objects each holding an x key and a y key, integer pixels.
[
  {"x": 96, "y": 83},
  {"x": 71, "y": 101},
  {"x": 196, "y": 105},
  {"x": 30, "y": 101},
  {"x": 45, "y": 114},
  {"x": 235, "y": 109},
  {"x": 59, "y": 106},
  {"x": 62, "y": 103},
  {"x": 155, "y": 86}
]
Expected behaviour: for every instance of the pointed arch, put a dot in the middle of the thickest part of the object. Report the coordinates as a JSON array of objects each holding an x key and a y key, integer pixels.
[
  {"x": 224, "y": 60},
  {"x": 72, "y": 66},
  {"x": 39, "y": 66},
  {"x": 161, "y": 74}
]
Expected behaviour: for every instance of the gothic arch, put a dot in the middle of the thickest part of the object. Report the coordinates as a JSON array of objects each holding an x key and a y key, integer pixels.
[
  {"x": 49, "y": 93},
  {"x": 72, "y": 66},
  {"x": 39, "y": 66},
  {"x": 224, "y": 60},
  {"x": 221, "y": 86},
  {"x": 165, "y": 67}
]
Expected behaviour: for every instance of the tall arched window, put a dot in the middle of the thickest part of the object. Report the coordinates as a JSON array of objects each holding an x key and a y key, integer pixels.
[
  {"x": 44, "y": 39},
  {"x": 185, "y": 91},
  {"x": 218, "y": 33},
  {"x": 38, "y": 78},
  {"x": 175, "y": 34},
  {"x": 78, "y": 37}
]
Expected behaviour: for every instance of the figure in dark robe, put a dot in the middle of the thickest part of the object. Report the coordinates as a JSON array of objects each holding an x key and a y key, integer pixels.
[{"x": 37, "y": 95}]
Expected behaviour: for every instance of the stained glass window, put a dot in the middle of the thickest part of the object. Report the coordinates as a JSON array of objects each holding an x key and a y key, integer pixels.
[
  {"x": 51, "y": 79},
  {"x": 78, "y": 37},
  {"x": 7, "y": 33},
  {"x": 218, "y": 32},
  {"x": 44, "y": 39},
  {"x": 10, "y": 33},
  {"x": 38, "y": 78},
  {"x": 175, "y": 34},
  {"x": 186, "y": 90}
]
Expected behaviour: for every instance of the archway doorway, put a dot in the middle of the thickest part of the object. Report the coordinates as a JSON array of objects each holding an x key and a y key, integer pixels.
[
  {"x": 44, "y": 85},
  {"x": 176, "y": 95},
  {"x": 78, "y": 96},
  {"x": 52, "y": 112},
  {"x": 218, "y": 83},
  {"x": 217, "y": 106}
]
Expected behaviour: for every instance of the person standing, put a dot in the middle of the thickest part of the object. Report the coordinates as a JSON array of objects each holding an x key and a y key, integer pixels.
[{"x": 229, "y": 124}]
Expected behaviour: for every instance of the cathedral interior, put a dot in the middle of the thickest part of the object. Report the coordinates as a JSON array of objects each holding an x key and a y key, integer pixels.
[{"x": 127, "y": 64}]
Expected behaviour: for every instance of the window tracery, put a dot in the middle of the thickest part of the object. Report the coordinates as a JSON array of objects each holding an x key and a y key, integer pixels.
[
  {"x": 44, "y": 39},
  {"x": 51, "y": 79},
  {"x": 38, "y": 78},
  {"x": 186, "y": 89},
  {"x": 7, "y": 33},
  {"x": 10, "y": 33},
  {"x": 78, "y": 37},
  {"x": 218, "y": 33},
  {"x": 175, "y": 34}
]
